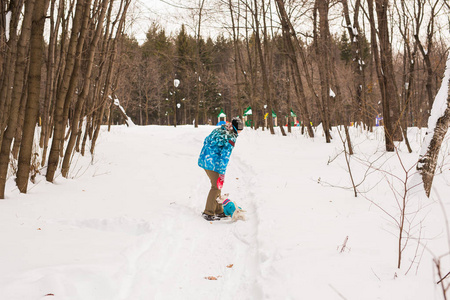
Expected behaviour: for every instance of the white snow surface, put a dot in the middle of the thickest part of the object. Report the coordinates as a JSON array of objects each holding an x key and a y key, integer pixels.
[
  {"x": 8, "y": 25},
  {"x": 332, "y": 94},
  {"x": 127, "y": 223}
]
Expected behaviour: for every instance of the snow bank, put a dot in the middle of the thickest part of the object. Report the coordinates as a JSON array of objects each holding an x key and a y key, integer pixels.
[{"x": 127, "y": 224}]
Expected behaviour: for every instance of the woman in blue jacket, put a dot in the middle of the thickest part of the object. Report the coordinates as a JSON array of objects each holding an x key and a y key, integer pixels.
[{"x": 214, "y": 159}]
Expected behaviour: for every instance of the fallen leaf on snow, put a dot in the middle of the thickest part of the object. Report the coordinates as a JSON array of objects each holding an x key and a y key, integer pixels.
[
  {"x": 230, "y": 266},
  {"x": 212, "y": 277}
]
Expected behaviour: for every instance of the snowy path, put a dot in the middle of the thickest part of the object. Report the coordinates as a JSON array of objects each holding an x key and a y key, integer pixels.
[
  {"x": 128, "y": 227},
  {"x": 182, "y": 253}
]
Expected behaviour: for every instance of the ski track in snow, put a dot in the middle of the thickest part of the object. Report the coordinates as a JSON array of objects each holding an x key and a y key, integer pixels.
[{"x": 162, "y": 263}]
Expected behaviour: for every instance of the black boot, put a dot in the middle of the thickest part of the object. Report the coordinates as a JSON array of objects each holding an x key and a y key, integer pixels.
[
  {"x": 221, "y": 216},
  {"x": 209, "y": 217}
]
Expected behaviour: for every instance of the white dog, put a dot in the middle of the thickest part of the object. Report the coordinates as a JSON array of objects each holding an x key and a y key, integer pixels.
[{"x": 231, "y": 209}]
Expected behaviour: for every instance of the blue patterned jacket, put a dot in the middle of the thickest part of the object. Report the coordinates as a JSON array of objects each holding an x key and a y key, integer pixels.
[{"x": 217, "y": 149}]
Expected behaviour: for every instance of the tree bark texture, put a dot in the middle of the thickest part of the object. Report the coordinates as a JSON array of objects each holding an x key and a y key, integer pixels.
[
  {"x": 387, "y": 117},
  {"x": 322, "y": 50},
  {"x": 427, "y": 162},
  {"x": 18, "y": 89},
  {"x": 390, "y": 96},
  {"x": 34, "y": 88},
  {"x": 9, "y": 56}
]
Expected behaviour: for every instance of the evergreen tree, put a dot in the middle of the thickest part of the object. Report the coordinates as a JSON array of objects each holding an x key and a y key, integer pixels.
[{"x": 346, "y": 48}]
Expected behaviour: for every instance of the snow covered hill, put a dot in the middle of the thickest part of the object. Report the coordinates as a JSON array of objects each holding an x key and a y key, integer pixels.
[{"x": 127, "y": 225}]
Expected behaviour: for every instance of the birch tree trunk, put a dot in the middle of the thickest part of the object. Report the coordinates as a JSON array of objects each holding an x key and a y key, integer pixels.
[{"x": 438, "y": 124}]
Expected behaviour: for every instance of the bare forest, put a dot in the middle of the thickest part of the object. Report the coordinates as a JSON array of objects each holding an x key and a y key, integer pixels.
[{"x": 67, "y": 65}]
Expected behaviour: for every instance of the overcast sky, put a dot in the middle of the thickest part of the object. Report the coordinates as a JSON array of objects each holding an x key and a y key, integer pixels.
[
  {"x": 170, "y": 14},
  {"x": 144, "y": 12}
]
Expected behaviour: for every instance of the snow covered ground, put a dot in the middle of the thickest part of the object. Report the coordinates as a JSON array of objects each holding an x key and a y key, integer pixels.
[{"x": 127, "y": 224}]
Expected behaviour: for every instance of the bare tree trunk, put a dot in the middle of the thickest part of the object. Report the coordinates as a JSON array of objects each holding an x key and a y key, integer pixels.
[
  {"x": 339, "y": 101},
  {"x": 322, "y": 46},
  {"x": 288, "y": 32},
  {"x": 23, "y": 104},
  {"x": 268, "y": 53},
  {"x": 51, "y": 72},
  {"x": 288, "y": 92},
  {"x": 82, "y": 97},
  {"x": 252, "y": 65},
  {"x": 34, "y": 88},
  {"x": 409, "y": 59},
  {"x": 97, "y": 122},
  {"x": 2, "y": 47},
  {"x": 387, "y": 70},
  {"x": 15, "y": 8},
  {"x": 80, "y": 132},
  {"x": 406, "y": 94},
  {"x": 237, "y": 60},
  {"x": 266, "y": 87},
  {"x": 426, "y": 53},
  {"x": 349, "y": 141},
  {"x": 63, "y": 88},
  {"x": 110, "y": 115},
  {"x": 121, "y": 15},
  {"x": 18, "y": 89},
  {"x": 354, "y": 32},
  {"x": 382, "y": 80},
  {"x": 199, "y": 66},
  {"x": 89, "y": 126}
]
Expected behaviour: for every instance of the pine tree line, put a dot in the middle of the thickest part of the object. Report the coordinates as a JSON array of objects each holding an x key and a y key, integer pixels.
[{"x": 350, "y": 73}]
